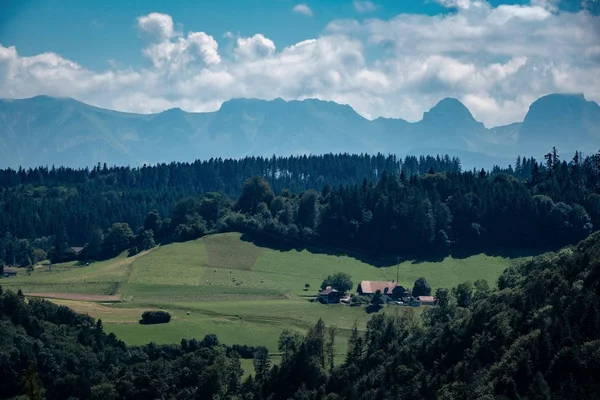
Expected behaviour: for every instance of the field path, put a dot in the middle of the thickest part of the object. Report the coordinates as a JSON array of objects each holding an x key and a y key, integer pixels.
[{"x": 77, "y": 296}]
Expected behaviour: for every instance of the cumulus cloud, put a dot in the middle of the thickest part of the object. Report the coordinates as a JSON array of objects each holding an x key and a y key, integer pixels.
[
  {"x": 156, "y": 25},
  {"x": 172, "y": 50},
  {"x": 497, "y": 60},
  {"x": 302, "y": 9},
  {"x": 364, "y": 6},
  {"x": 254, "y": 47}
]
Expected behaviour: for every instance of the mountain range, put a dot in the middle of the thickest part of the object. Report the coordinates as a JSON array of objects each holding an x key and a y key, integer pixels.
[{"x": 45, "y": 130}]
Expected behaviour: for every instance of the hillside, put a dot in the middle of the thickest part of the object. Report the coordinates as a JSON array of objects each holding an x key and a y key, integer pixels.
[
  {"x": 62, "y": 131},
  {"x": 227, "y": 283},
  {"x": 180, "y": 270}
]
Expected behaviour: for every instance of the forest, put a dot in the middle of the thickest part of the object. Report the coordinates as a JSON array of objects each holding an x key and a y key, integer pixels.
[
  {"x": 535, "y": 336},
  {"x": 370, "y": 204}
]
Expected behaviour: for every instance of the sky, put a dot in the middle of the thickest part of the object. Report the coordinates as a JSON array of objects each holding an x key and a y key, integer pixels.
[{"x": 385, "y": 58}]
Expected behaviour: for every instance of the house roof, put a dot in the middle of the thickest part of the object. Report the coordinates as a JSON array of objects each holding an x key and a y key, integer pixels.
[
  {"x": 430, "y": 299},
  {"x": 374, "y": 286},
  {"x": 10, "y": 271},
  {"x": 77, "y": 249},
  {"x": 327, "y": 291}
]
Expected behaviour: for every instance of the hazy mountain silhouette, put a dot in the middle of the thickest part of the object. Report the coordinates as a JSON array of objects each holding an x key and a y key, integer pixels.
[{"x": 61, "y": 131}]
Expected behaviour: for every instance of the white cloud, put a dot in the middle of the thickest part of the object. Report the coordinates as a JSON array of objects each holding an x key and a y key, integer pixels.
[
  {"x": 156, "y": 25},
  {"x": 364, "y": 6},
  {"x": 497, "y": 60},
  {"x": 254, "y": 47},
  {"x": 302, "y": 9},
  {"x": 461, "y": 4}
]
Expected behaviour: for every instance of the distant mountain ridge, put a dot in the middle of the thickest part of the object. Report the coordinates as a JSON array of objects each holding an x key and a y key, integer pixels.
[{"x": 62, "y": 131}]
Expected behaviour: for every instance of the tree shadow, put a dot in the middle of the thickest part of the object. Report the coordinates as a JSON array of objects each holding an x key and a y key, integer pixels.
[{"x": 285, "y": 244}]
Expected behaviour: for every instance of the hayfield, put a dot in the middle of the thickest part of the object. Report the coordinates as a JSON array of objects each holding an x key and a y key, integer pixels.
[{"x": 240, "y": 291}]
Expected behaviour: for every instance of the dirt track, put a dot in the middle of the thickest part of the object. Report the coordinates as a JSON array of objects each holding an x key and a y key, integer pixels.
[{"x": 76, "y": 296}]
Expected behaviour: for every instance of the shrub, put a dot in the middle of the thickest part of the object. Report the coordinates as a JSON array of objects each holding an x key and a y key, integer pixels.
[
  {"x": 359, "y": 300},
  {"x": 155, "y": 317}
]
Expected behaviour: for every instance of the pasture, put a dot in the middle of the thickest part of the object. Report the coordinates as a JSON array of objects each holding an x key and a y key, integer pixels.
[{"x": 242, "y": 292}]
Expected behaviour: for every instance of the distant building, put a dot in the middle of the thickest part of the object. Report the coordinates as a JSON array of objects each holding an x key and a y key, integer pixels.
[
  {"x": 9, "y": 272},
  {"x": 77, "y": 250},
  {"x": 329, "y": 296},
  {"x": 391, "y": 289},
  {"x": 426, "y": 300},
  {"x": 406, "y": 297}
]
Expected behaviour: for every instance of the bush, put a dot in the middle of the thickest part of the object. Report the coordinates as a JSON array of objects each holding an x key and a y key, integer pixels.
[
  {"x": 359, "y": 300},
  {"x": 155, "y": 317}
]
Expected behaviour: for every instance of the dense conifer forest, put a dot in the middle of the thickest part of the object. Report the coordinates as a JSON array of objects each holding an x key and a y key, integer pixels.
[
  {"x": 371, "y": 204},
  {"x": 534, "y": 337}
]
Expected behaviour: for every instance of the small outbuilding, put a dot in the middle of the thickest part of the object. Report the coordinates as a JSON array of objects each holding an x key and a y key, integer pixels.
[
  {"x": 329, "y": 296},
  {"x": 77, "y": 250},
  {"x": 426, "y": 300},
  {"x": 9, "y": 272},
  {"x": 406, "y": 297}
]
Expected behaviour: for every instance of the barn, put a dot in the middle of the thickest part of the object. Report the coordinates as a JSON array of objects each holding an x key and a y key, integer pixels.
[
  {"x": 329, "y": 296},
  {"x": 391, "y": 289}
]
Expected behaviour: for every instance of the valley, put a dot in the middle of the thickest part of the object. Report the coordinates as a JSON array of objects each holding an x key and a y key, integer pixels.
[{"x": 226, "y": 285}]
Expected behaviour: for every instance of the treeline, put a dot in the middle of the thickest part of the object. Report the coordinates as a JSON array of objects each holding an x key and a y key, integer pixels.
[
  {"x": 427, "y": 214},
  {"x": 534, "y": 337},
  {"x": 72, "y": 202},
  {"x": 398, "y": 213}
]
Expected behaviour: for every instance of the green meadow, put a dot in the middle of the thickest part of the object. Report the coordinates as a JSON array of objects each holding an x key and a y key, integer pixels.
[{"x": 240, "y": 291}]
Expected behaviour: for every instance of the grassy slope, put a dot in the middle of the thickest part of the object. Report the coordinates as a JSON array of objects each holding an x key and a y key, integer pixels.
[{"x": 242, "y": 292}]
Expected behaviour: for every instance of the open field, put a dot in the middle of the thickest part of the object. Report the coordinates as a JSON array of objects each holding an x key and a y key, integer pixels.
[
  {"x": 223, "y": 284},
  {"x": 77, "y": 296}
]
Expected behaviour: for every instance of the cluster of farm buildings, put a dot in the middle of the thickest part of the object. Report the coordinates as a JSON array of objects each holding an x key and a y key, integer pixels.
[{"x": 392, "y": 290}]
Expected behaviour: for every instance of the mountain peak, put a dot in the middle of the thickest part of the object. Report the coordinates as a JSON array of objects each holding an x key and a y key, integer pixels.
[
  {"x": 553, "y": 105},
  {"x": 558, "y": 101},
  {"x": 449, "y": 110},
  {"x": 565, "y": 119},
  {"x": 175, "y": 110},
  {"x": 446, "y": 106}
]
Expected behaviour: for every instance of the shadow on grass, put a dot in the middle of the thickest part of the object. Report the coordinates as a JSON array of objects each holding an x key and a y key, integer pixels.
[{"x": 380, "y": 260}]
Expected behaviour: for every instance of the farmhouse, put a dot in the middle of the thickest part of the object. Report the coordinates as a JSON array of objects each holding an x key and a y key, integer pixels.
[
  {"x": 329, "y": 296},
  {"x": 388, "y": 288}
]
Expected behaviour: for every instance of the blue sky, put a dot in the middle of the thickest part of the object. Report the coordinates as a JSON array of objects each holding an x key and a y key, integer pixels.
[
  {"x": 91, "y": 32},
  {"x": 385, "y": 58}
]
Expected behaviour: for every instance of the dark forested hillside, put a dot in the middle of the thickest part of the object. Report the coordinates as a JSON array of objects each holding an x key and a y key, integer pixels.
[
  {"x": 49, "y": 352},
  {"x": 71, "y": 203},
  {"x": 534, "y": 337},
  {"x": 370, "y": 204}
]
